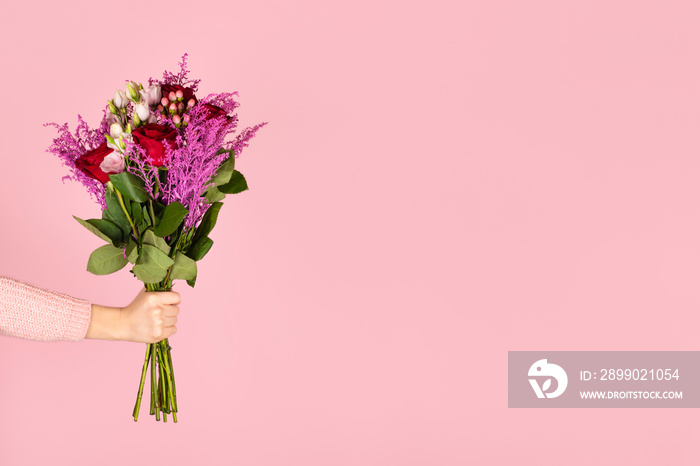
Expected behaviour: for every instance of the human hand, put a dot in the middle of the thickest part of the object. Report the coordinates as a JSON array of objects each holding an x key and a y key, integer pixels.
[{"x": 149, "y": 318}]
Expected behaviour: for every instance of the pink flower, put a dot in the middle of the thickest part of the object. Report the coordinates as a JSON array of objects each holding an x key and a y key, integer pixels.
[
  {"x": 113, "y": 163},
  {"x": 151, "y": 94},
  {"x": 112, "y": 118}
]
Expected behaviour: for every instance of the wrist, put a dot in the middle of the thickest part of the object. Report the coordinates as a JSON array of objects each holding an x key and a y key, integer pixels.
[{"x": 106, "y": 323}]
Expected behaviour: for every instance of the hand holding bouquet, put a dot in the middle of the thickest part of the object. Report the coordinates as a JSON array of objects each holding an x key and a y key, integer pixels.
[{"x": 159, "y": 166}]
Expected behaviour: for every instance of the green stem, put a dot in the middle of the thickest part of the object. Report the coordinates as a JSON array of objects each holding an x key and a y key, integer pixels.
[
  {"x": 157, "y": 186},
  {"x": 128, "y": 217},
  {"x": 137, "y": 408},
  {"x": 167, "y": 391},
  {"x": 153, "y": 399},
  {"x": 154, "y": 384},
  {"x": 153, "y": 215},
  {"x": 168, "y": 376},
  {"x": 163, "y": 393},
  {"x": 172, "y": 376},
  {"x": 161, "y": 387}
]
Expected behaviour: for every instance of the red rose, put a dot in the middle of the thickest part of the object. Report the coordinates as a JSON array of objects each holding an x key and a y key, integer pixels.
[
  {"x": 188, "y": 93},
  {"x": 212, "y": 111},
  {"x": 89, "y": 162},
  {"x": 153, "y": 138}
]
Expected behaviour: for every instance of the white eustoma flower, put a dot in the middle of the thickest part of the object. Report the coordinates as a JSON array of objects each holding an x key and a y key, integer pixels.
[
  {"x": 132, "y": 90},
  {"x": 152, "y": 94},
  {"x": 114, "y": 145},
  {"x": 115, "y": 129},
  {"x": 120, "y": 99},
  {"x": 141, "y": 109}
]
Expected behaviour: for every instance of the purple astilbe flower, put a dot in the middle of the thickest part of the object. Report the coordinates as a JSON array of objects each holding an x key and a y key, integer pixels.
[
  {"x": 141, "y": 168},
  {"x": 194, "y": 162},
  {"x": 227, "y": 102},
  {"x": 69, "y": 147},
  {"x": 224, "y": 100},
  {"x": 181, "y": 78},
  {"x": 242, "y": 140}
]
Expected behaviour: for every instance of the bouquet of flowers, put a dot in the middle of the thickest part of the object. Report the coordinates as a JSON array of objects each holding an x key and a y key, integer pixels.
[{"x": 159, "y": 165}]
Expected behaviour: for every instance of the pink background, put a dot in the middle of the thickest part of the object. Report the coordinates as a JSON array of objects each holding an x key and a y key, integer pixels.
[{"x": 440, "y": 182}]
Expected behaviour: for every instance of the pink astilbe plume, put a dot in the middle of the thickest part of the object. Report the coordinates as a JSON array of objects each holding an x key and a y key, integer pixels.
[
  {"x": 141, "y": 168},
  {"x": 242, "y": 140},
  {"x": 181, "y": 78},
  {"x": 68, "y": 147},
  {"x": 193, "y": 164},
  {"x": 226, "y": 101}
]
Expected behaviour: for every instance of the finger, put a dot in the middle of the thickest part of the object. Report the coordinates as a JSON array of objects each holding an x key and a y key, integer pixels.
[
  {"x": 170, "y": 310},
  {"x": 169, "y": 331},
  {"x": 168, "y": 321},
  {"x": 169, "y": 297}
]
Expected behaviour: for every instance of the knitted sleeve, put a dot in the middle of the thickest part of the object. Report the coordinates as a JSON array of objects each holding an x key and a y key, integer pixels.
[{"x": 32, "y": 313}]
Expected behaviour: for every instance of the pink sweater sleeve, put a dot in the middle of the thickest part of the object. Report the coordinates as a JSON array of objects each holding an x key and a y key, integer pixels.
[{"x": 32, "y": 313}]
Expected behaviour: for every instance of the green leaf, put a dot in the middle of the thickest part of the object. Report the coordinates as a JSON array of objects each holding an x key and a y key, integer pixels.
[
  {"x": 147, "y": 217},
  {"x": 150, "y": 238},
  {"x": 146, "y": 276},
  {"x": 127, "y": 204},
  {"x": 115, "y": 214},
  {"x": 103, "y": 229},
  {"x": 137, "y": 214},
  {"x": 173, "y": 215},
  {"x": 174, "y": 238},
  {"x": 208, "y": 221},
  {"x": 236, "y": 185},
  {"x": 200, "y": 248},
  {"x": 108, "y": 228},
  {"x": 213, "y": 195},
  {"x": 225, "y": 170},
  {"x": 132, "y": 251},
  {"x": 158, "y": 209},
  {"x": 192, "y": 282},
  {"x": 105, "y": 260},
  {"x": 130, "y": 186},
  {"x": 154, "y": 262},
  {"x": 184, "y": 268}
]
